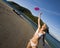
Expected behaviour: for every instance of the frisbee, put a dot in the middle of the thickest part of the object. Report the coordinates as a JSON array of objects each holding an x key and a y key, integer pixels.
[{"x": 36, "y": 9}]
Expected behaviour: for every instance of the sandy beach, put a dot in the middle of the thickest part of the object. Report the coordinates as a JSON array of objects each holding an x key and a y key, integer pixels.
[{"x": 14, "y": 31}]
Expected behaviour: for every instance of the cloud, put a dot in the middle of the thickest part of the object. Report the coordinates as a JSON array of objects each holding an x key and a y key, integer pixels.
[{"x": 52, "y": 12}]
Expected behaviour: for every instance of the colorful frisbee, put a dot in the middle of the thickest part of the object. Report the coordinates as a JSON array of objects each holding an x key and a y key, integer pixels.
[{"x": 36, "y": 9}]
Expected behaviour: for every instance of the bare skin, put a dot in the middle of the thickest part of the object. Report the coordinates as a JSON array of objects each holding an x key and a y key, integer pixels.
[{"x": 35, "y": 38}]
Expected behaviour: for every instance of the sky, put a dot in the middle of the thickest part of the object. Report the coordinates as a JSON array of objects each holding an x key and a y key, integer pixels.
[{"x": 50, "y": 10}]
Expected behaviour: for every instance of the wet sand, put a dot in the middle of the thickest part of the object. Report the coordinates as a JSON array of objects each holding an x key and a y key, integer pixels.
[{"x": 14, "y": 31}]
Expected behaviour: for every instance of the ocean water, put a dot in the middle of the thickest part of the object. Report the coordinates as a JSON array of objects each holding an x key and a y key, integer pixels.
[{"x": 54, "y": 43}]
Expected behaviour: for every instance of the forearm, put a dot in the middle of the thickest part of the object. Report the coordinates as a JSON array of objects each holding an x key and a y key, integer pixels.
[
  {"x": 38, "y": 22},
  {"x": 39, "y": 18}
]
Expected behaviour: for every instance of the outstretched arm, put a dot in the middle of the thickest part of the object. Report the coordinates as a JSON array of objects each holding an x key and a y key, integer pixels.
[{"x": 39, "y": 20}]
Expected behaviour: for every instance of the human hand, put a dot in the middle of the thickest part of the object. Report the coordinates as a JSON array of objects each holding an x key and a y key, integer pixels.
[
  {"x": 40, "y": 13},
  {"x": 39, "y": 16}
]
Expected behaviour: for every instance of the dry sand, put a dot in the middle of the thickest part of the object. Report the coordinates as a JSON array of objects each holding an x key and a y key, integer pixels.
[{"x": 14, "y": 31}]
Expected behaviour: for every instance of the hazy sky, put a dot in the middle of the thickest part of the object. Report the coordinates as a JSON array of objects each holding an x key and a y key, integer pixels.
[{"x": 50, "y": 10}]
